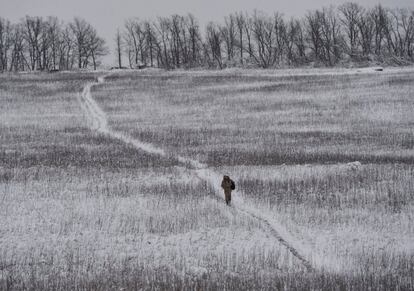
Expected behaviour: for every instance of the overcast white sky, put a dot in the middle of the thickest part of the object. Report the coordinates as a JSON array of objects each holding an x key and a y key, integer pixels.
[{"x": 107, "y": 15}]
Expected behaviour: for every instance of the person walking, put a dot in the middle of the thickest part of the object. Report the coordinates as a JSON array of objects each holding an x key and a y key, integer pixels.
[{"x": 228, "y": 185}]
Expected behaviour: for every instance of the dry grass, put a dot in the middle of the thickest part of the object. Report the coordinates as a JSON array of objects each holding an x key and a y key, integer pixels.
[
  {"x": 83, "y": 211},
  {"x": 249, "y": 120}
]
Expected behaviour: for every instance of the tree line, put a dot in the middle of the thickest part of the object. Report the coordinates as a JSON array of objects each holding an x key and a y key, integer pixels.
[
  {"x": 322, "y": 37},
  {"x": 48, "y": 44},
  {"x": 325, "y": 37}
]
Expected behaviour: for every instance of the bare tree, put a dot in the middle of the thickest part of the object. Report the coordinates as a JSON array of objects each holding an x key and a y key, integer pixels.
[
  {"x": 214, "y": 41},
  {"x": 299, "y": 40},
  {"x": 18, "y": 61},
  {"x": 248, "y": 28},
  {"x": 281, "y": 45},
  {"x": 314, "y": 32},
  {"x": 194, "y": 40},
  {"x": 324, "y": 35},
  {"x": 351, "y": 14},
  {"x": 379, "y": 16},
  {"x": 135, "y": 37},
  {"x": 44, "y": 47},
  {"x": 118, "y": 48},
  {"x": 131, "y": 42},
  {"x": 400, "y": 32},
  {"x": 177, "y": 46},
  {"x": 263, "y": 31},
  {"x": 407, "y": 26},
  {"x": 97, "y": 48},
  {"x": 166, "y": 40},
  {"x": 240, "y": 23},
  {"x": 80, "y": 29},
  {"x": 32, "y": 32},
  {"x": 66, "y": 45},
  {"x": 5, "y": 43},
  {"x": 229, "y": 36},
  {"x": 331, "y": 36},
  {"x": 366, "y": 29},
  {"x": 295, "y": 43},
  {"x": 151, "y": 41},
  {"x": 53, "y": 30},
  {"x": 135, "y": 42}
]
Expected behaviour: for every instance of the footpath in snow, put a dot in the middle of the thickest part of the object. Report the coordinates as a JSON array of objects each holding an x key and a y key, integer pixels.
[{"x": 97, "y": 120}]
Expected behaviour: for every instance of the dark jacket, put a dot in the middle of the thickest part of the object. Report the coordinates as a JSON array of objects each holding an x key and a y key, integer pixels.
[{"x": 227, "y": 184}]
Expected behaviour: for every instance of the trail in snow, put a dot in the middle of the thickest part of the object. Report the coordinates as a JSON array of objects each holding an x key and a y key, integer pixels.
[{"x": 97, "y": 120}]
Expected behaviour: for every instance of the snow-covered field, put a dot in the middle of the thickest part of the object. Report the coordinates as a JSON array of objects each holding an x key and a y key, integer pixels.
[{"x": 111, "y": 180}]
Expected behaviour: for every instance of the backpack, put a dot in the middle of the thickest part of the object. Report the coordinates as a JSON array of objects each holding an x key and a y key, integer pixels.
[{"x": 233, "y": 185}]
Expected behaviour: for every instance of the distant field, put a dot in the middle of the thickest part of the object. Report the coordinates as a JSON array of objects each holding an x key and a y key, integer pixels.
[{"x": 83, "y": 210}]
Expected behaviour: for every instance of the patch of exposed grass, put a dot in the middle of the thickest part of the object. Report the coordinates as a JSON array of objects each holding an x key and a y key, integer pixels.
[{"x": 83, "y": 211}]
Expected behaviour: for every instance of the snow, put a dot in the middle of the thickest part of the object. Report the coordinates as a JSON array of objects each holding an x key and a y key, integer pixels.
[{"x": 98, "y": 122}]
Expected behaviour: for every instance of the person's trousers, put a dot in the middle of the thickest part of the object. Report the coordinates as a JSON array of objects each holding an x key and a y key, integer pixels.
[{"x": 227, "y": 195}]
